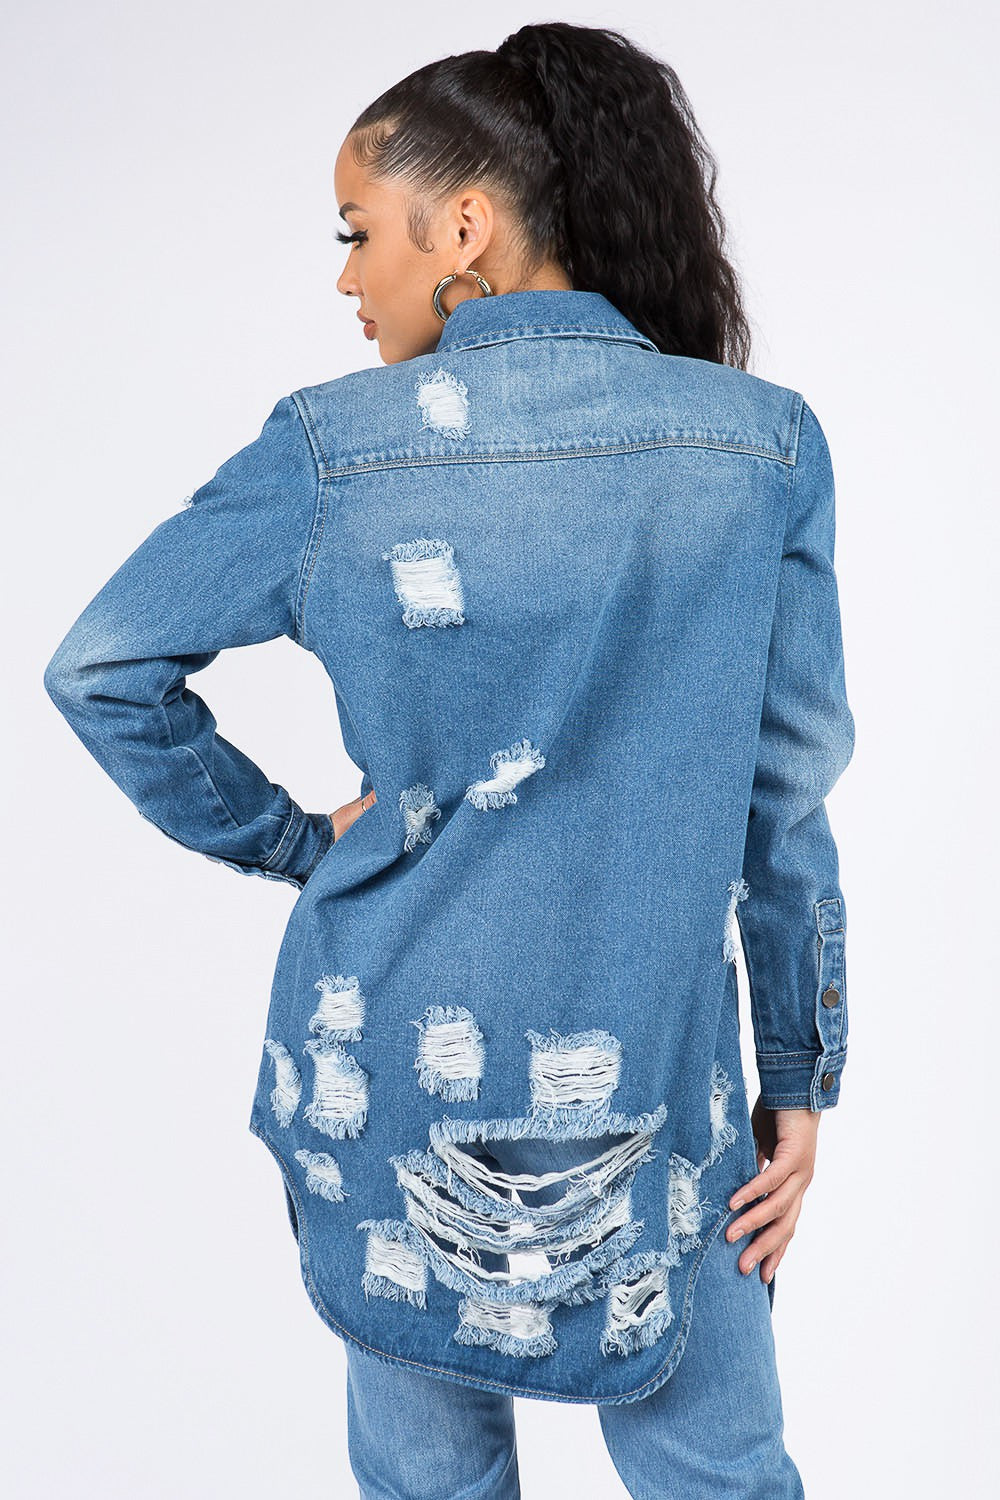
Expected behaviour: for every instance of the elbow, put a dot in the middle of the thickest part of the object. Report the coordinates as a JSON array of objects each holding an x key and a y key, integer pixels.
[
  {"x": 70, "y": 673},
  {"x": 841, "y": 744},
  {"x": 63, "y": 678}
]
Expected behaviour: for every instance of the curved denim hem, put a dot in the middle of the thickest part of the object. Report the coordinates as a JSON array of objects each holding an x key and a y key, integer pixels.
[{"x": 480, "y": 1382}]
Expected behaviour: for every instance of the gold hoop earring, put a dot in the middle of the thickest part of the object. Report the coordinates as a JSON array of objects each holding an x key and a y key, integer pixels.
[{"x": 487, "y": 290}]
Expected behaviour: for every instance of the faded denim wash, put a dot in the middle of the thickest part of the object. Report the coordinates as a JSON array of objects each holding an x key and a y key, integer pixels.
[
  {"x": 578, "y": 606},
  {"x": 714, "y": 1431}
]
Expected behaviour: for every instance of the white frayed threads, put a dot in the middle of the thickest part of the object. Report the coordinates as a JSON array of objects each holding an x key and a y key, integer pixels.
[
  {"x": 341, "y": 1010},
  {"x": 287, "y": 1089},
  {"x": 638, "y": 1312},
  {"x": 738, "y": 891},
  {"x": 419, "y": 810},
  {"x": 510, "y": 767},
  {"x": 427, "y": 582},
  {"x": 582, "y": 1069},
  {"x": 685, "y": 1205},
  {"x": 585, "y": 1181},
  {"x": 339, "y": 1106},
  {"x": 450, "y": 1052},
  {"x": 323, "y": 1175},
  {"x": 393, "y": 1268},
  {"x": 516, "y": 1328},
  {"x": 586, "y": 1227},
  {"x": 723, "y": 1130},
  {"x": 444, "y": 403}
]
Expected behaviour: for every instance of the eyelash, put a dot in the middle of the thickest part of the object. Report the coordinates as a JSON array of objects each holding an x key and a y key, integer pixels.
[{"x": 358, "y": 237}]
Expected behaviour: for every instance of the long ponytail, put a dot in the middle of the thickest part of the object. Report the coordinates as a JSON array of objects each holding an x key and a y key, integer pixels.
[{"x": 592, "y": 144}]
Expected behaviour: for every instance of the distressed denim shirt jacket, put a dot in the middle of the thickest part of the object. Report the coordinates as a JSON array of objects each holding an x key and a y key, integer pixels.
[{"x": 577, "y": 603}]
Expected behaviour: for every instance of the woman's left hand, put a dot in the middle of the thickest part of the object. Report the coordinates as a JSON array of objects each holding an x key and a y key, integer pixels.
[
  {"x": 350, "y": 812},
  {"x": 786, "y": 1157}
]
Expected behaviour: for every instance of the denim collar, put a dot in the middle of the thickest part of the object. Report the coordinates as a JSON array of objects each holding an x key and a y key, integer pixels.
[{"x": 537, "y": 314}]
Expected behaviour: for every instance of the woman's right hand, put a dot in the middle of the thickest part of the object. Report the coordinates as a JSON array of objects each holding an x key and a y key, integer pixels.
[
  {"x": 350, "y": 812},
  {"x": 786, "y": 1160}
]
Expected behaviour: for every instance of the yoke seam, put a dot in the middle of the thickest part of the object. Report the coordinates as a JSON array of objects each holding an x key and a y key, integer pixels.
[{"x": 536, "y": 455}]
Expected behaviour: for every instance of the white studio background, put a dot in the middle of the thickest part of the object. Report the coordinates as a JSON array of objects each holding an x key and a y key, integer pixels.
[{"x": 170, "y": 272}]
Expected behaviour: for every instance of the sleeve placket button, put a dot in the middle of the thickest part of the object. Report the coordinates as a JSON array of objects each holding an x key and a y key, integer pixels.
[
  {"x": 828, "y": 1080},
  {"x": 831, "y": 996}
]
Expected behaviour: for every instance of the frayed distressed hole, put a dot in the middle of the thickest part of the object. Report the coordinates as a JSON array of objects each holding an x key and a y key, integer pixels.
[
  {"x": 638, "y": 1306},
  {"x": 450, "y": 1052},
  {"x": 585, "y": 1168},
  {"x": 339, "y": 1106},
  {"x": 685, "y": 1207},
  {"x": 323, "y": 1175},
  {"x": 724, "y": 1132},
  {"x": 443, "y": 400},
  {"x": 647, "y": 1299},
  {"x": 738, "y": 891},
  {"x": 419, "y": 810},
  {"x": 485, "y": 1234},
  {"x": 579, "y": 1070},
  {"x": 341, "y": 1010},
  {"x": 427, "y": 582},
  {"x": 464, "y": 1256},
  {"x": 484, "y": 1244},
  {"x": 288, "y": 1082},
  {"x": 584, "y": 1180},
  {"x": 510, "y": 767},
  {"x": 394, "y": 1264},
  {"x": 579, "y": 1124},
  {"x": 520, "y": 1329}
]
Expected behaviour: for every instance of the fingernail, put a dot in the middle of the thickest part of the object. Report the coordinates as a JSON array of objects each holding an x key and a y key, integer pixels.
[
  {"x": 736, "y": 1203},
  {"x": 750, "y": 1267}
]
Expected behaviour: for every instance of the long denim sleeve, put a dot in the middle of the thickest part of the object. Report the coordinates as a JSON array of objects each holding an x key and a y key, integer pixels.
[
  {"x": 793, "y": 920},
  {"x": 226, "y": 570}
]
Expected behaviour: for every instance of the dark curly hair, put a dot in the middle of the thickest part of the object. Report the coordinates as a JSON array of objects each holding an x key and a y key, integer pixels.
[{"x": 592, "y": 145}]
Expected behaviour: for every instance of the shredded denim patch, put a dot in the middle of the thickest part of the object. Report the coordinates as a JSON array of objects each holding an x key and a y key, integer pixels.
[
  {"x": 394, "y": 1266},
  {"x": 444, "y": 403},
  {"x": 515, "y": 1245},
  {"x": 738, "y": 891},
  {"x": 339, "y": 1106},
  {"x": 450, "y": 1052},
  {"x": 427, "y": 582},
  {"x": 341, "y": 1010},
  {"x": 419, "y": 810},
  {"x": 323, "y": 1175},
  {"x": 288, "y": 1082},
  {"x": 510, "y": 767}
]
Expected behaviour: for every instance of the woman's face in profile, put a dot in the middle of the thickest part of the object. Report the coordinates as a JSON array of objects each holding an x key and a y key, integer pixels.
[{"x": 392, "y": 279}]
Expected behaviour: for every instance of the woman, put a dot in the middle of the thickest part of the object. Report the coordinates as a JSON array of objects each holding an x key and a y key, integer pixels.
[{"x": 570, "y": 569}]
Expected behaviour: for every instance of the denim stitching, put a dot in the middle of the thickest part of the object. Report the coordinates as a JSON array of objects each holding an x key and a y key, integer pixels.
[{"x": 603, "y": 450}]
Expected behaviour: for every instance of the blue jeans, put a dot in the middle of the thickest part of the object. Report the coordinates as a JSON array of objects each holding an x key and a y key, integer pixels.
[{"x": 713, "y": 1431}]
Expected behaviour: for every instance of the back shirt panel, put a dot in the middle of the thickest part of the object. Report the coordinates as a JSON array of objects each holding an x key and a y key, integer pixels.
[
  {"x": 543, "y": 590},
  {"x": 577, "y": 603}
]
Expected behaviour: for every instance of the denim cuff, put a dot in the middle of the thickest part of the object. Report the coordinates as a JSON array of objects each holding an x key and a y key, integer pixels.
[
  {"x": 800, "y": 1080},
  {"x": 305, "y": 840}
]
